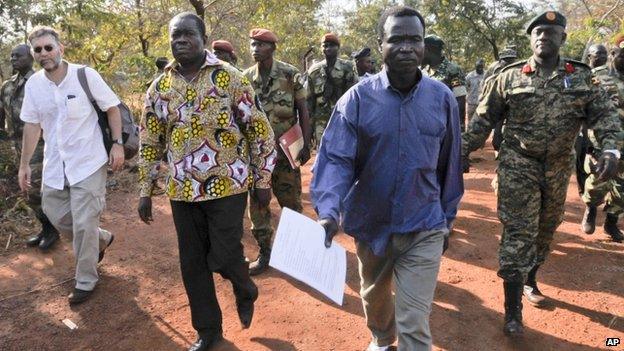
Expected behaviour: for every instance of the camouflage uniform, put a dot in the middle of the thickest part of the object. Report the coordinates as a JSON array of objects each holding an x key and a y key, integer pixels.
[
  {"x": 452, "y": 76},
  {"x": 11, "y": 97},
  {"x": 321, "y": 96},
  {"x": 277, "y": 96},
  {"x": 595, "y": 192},
  {"x": 542, "y": 119}
]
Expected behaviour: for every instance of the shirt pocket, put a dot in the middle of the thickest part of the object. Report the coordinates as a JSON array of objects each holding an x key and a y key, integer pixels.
[
  {"x": 78, "y": 108},
  {"x": 575, "y": 100},
  {"x": 426, "y": 153},
  {"x": 521, "y": 100},
  {"x": 282, "y": 105}
]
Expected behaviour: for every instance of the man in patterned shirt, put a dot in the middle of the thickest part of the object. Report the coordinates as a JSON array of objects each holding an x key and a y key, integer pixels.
[
  {"x": 283, "y": 97},
  {"x": 219, "y": 145}
]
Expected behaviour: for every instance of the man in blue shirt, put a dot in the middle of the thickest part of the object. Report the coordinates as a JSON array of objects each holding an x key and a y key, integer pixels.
[{"x": 389, "y": 169}]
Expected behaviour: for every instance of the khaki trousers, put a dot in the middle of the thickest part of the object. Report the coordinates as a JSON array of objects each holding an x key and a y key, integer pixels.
[
  {"x": 76, "y": 211},
  {"x": 411, "y": 262}
]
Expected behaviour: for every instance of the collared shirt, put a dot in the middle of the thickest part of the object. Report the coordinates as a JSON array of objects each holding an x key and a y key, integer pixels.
[
  {"x": 73, "y": 139},
  {"x": 278, "y": 94},
  {"x": 388, "y": 162},
  {"x": 473, "y": 86},
  {"x": 217, "y": 139},
  {"x": 11, "y": 99},
  {"x": 543, "y": 113},
  {"x": 322, "y": 96},
  {"x": 450, "y": 74}
]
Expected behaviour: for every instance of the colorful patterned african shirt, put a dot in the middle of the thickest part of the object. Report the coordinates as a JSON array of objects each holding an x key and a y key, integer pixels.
[{"x": 217, "y": 140}]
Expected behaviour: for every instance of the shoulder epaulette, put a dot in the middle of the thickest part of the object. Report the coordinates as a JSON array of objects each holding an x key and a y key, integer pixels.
[
  {"x": 515, "y": 64},
  {"x": 315, "y": 67},
  {"x": 578, "y": 63}
]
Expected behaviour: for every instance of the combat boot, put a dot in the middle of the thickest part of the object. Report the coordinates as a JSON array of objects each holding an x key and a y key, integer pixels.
[
  {"x": 513, "y": 309},
  {"x": 261, "y": 263},
  {"x": 531, "y": 292},
  {"x": 611, "y": 228},
  {"x": 49, "y": 234},
  {"x": 589, "y": 220}
]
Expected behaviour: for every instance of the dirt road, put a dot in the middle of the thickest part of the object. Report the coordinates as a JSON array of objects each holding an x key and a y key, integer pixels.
[{"x": 140, "y": 302}]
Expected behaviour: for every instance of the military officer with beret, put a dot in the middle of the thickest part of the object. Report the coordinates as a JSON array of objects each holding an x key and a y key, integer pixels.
[
  {"x": 543, "y": 101},
  {"x": 363, "y": 62},
  {"x": 438, "y": 67},
  {"x": 612, "y": 80},
  {"x": 327, "y": 81},
  {"x": 278, "y": 86},
  {"x": 224, "y": 51}
]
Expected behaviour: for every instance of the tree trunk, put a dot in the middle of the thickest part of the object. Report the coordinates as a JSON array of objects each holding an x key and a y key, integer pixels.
[{"x": 199, "y": 7}]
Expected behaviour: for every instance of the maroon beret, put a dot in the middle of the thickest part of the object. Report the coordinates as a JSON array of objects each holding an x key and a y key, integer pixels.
[
  {"x": 263, "y": 35},
  {"x": 223, "y": 45},
  {"x": 330, "y": 38}
]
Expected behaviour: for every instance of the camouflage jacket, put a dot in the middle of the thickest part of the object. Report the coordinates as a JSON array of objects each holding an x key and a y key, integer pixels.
[
  {"x": 321, "y": 96},
  {"x": 217, "y": 140},
  {"x": 613, "y": 83},
  {"x": 543, "y": 114},
  {"x": 11, "y": 97},
  {"x": 450, "y": 74},
  {"x": 278, "y": 94}
]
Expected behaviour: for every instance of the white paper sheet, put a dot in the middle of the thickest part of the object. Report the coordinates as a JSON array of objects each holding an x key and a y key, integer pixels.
[{"x": 299, "y": 251}]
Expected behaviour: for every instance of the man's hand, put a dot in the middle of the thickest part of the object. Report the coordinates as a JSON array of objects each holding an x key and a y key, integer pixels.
[
  {"x": 262, "y": 196},
  {"x": 607, "y": 167},
  {"x": 145, "y": 209},
  {"x": 23, "y": 177},
  {"x": 465, "y": 164},
  {"x": 304, "y": 155},
  {"x": 116, "y": 157},
  {"x": 331, "y": 229}
]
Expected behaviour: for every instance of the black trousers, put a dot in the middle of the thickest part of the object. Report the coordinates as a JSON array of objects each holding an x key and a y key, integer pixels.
[{"x": 209, "y": 240}]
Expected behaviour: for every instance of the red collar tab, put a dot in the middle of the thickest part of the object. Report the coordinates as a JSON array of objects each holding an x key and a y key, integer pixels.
[
  {"x": 569, "y": 68},
  {"x": 526, "y": 69}
]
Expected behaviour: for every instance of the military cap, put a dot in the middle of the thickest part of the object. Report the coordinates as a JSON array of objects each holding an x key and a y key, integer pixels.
[
  {"x": 548, "y": 17},
  {"x": 330, "y": 38},
  {"x": 223, "y": 45},
  {"x": 364, "y": 52},
  {"x": 434, "y": 40},
  {"x": 263, "y": 35},
  {"x": 507, "y": 53}
]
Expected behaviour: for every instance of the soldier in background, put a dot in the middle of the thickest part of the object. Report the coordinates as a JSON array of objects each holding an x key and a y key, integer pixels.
[
  {"x": 473, "y": 85},
  {"x": 327, "y": 81},
  {"x": 543, "y": 100},
  {"x": 505, "y": 57},
  {"x": 224, "y": 51},
  {"x": 11, "y": 97},
  {"x": 363, "y": 62},
  {"x": 438, "y": 67},
  {"x": 612, "y": 80},
  {"x": 278, "y": 86}
]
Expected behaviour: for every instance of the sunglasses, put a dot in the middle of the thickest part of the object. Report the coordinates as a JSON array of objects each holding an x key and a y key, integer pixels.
[{"x": 47, "y": 48}]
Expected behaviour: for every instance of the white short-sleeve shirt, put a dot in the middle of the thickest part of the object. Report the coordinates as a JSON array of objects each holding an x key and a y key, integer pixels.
[{"x": 73, "y": 139}]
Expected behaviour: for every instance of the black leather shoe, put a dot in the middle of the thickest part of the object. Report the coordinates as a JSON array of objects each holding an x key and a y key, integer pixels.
[
  {"x": 245, "y": 307},
  {"x": 48, "y": 240},
  {"x": 611, "y": 228},
  {"x": 203, "y": 344},
  {"x": 101, "y": 256},
  {"x": 79, "y": 296},
  {"x": 34, "y": 240}
]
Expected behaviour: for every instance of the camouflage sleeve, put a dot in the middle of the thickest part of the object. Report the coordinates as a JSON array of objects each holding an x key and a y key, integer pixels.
[
  {"x": 299, "y": 90},
  {"x": 458, "y": 82},
  {"x": 153, "y": 140},
  {"x": 488, "y": 113},
  {"x": 351, "y": 78},
  {"x": 603, "y": 119},
  {"x": 257, "y": 130},
  {"x": 310, "y": 94}
]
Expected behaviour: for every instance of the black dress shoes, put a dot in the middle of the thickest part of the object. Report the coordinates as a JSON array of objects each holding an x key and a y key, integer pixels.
[
  {"x": 245, "y": 306},
  {"x": 34, "y": 240},
  {"x": 79, "y": 296},
  {"x": 205, "y": 344},
  {"x": 48, "y": 239}
]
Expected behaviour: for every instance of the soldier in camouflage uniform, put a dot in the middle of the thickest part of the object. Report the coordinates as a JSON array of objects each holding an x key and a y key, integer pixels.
[
  {"x": 323, "y": 93},
  {"x": 437, "y": 66},
  {"x": 278, "y": 86},
  {"x": 11, "y": 97},
  {"x": 505, "y": 57},
  {"x": 612, "y": 80},
  {"x": 543, "y": 100}
]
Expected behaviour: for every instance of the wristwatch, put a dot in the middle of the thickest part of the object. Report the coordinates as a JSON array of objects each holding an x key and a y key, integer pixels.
[{"x": 119, "y": 141}]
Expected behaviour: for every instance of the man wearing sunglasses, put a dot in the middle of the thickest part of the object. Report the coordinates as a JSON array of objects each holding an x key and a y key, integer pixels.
[
  {"x": 75, "y": 159},
  {"x": 11, "y": 97}
]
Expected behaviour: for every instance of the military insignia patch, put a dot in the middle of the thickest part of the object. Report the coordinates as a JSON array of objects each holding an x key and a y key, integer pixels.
[{"x": 551, "y": 16}]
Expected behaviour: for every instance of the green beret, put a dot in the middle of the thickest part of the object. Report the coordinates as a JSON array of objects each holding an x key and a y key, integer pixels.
[
  {"x": 548, "y": 17},
  {"x": 434, "y": 40}
]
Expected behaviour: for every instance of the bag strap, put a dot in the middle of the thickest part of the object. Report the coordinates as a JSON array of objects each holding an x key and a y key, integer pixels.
[{"x": 82, "y": 78}]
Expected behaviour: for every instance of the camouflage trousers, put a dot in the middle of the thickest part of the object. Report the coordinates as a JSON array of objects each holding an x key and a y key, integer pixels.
[
  {"x": 531, "y": 199},
  {"x": 286, "y": 186},
  {"x": 611, "y": 191},
  {"x": 319, "y": 129}
]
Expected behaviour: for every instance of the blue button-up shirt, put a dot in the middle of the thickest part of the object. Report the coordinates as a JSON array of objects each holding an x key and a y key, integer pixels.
[{"x": 389, "y": 163}]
